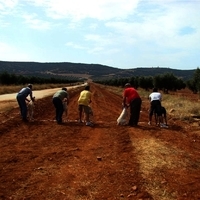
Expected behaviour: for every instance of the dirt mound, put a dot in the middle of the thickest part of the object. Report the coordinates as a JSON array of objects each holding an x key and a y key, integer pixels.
[{"x": 44, "y": 160}]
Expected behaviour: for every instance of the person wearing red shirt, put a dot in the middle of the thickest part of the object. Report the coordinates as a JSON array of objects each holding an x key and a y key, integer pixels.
[{"x": 132, "y": 99}]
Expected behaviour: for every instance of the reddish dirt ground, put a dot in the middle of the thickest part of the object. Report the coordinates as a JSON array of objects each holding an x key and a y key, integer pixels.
[{"x": 44, "y": 160}]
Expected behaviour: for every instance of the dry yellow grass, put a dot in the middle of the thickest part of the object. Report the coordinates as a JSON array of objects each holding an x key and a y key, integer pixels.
[
  {"x": 177, "y": 107},
  {"x": 181, "y": 108}
]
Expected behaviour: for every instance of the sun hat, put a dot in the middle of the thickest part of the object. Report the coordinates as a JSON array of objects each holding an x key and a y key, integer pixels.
[
  {"x": 127, "y": 84},
  {"x": 64, "y": 88},
  {"x": 30, "y": 86}
]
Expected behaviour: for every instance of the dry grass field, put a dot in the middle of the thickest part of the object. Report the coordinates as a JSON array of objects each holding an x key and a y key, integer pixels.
[{"x": 43, "y": 160}]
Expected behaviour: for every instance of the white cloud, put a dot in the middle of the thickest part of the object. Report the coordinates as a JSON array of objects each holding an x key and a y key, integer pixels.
[
  {"x": 33, "y": 22},
  {"x": 97, "y": 44},
  {"x": 8, "y": 4},
  {"x": 7, "y": 7},
  {"x": 124, "y": 32},
  {"x": 78, "y": 9},
  {"x": 162, "y": 29}
]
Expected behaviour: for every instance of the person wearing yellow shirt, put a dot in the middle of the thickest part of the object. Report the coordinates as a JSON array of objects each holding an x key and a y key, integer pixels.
[{"x": 83, "y": 105}]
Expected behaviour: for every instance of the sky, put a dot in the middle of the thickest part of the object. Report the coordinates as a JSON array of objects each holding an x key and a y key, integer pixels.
[{"x": 123, "y": 34}]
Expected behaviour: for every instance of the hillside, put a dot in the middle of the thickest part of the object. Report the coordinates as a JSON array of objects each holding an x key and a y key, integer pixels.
[{"x": 85, "y": 71}]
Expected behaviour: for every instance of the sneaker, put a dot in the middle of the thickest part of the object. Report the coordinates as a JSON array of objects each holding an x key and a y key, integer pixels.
[
  {"x": 149, "y": 123},
  {"x": 89, "y": 124},
  {"x": 163, "y": 126}
]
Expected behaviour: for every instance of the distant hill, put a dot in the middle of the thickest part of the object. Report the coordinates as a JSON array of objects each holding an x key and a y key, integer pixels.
[{"x": 85, "y": 71}]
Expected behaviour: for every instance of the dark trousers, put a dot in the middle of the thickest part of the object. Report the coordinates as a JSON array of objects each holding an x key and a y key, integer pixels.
[
  {"x": 22, "y": 105},
  {"x": 155, "y": 108},
  {"x": 59, "y": 109},
  {"x": 135, "y": 107}
]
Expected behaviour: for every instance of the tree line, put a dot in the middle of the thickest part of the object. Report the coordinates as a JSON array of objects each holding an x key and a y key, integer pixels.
[
  {"x": 165, "y": 82},
  {"x": 13, "y": 79}
]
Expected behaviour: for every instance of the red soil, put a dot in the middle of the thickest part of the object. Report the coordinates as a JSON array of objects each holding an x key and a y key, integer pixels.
[{"x": 44, "y": 160}]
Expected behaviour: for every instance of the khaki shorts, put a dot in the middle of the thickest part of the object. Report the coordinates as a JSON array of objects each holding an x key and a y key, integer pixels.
[{"x": 84, "y": 108}]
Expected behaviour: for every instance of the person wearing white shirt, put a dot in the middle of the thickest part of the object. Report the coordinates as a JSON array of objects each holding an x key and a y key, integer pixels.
[{"x": 155, "y": 98}]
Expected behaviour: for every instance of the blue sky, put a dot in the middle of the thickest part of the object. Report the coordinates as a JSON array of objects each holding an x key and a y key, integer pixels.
[{"x": 118, "y": 33}]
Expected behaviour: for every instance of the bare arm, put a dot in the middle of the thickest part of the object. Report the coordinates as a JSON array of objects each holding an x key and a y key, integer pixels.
[{"x": 124, "y": 102}]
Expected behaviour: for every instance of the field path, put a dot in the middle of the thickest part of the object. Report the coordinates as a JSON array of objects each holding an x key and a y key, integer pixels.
[{"x": 47, "y": 161}]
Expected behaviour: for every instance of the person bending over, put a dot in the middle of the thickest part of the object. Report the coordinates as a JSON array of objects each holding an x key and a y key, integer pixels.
[
  {"x": 58, "y": 98},
  {"x": 83, "y": 105},
  {"x": 22, "y": 98},
  {"x": 132, "y": 99},
  {"x": 155, "y": 105}
]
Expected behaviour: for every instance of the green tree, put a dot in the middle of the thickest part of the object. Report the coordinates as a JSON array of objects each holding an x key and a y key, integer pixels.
[
  {"x": 146, "y": 82},
  {"x": 197, "y": 80},
  {"x": 5, "y": 78},
  {"x": 191, "y": 86},
  {"x": 167, "y": 82}
]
